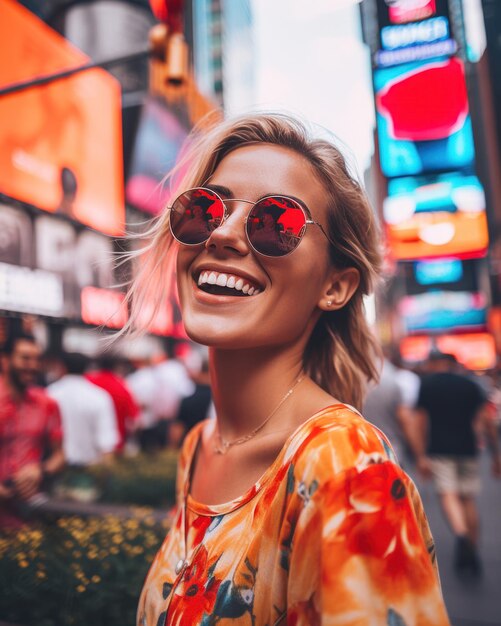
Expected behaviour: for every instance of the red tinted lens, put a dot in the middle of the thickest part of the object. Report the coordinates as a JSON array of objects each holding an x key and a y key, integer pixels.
[
  {"x": 195, "y": 214},
  {"x": 276, "y": 225}
]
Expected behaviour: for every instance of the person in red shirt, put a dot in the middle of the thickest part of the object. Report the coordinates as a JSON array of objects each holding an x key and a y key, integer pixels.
[
  {"x": 30, "y": 427},
  {"x": 126, "y": 407}
]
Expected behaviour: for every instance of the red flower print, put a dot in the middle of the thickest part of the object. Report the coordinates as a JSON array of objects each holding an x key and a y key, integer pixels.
[
  {"x": 379, "y": 524},
  {"x": 196, "y": 593}
]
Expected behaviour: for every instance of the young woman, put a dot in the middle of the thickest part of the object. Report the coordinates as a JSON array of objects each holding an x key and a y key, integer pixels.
[{"x": 291, "y": 507}]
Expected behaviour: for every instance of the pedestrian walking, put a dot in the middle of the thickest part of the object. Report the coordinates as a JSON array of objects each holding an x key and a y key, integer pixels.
[
  {"x": 292, "y": 508},
  {"x": 451, "y": 414}
]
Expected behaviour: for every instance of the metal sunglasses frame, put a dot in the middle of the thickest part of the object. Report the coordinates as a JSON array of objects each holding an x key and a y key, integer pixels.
[{"x": 226, "y": 214}]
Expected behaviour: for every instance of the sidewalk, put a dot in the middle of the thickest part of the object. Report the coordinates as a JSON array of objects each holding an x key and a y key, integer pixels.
[{"x": 476, "y": 603}]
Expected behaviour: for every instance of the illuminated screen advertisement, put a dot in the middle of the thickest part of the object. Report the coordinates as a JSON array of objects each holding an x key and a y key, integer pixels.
[
  {"x": 404, "y": 11},
  {"x": 436, "y": 216},
  {"x": 423, "y": 118},
  {"x": 60, "y": 143},
  {"x": 445, "y": 273},
  {"x": 413, "y": 30},
  {"x": 16, "y": 241},
  {"x": 476, "y": 351},
  {"x": 441, "y": 311},
  {"x": 159, "y": 139}
]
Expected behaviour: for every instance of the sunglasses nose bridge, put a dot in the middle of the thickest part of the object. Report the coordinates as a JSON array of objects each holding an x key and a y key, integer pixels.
[
  {"x": 231, "y": 208},
  {"x": 231, "y": 230}
]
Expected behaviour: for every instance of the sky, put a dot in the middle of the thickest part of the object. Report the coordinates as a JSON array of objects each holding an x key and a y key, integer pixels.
[{"x": 310, "y": 60}]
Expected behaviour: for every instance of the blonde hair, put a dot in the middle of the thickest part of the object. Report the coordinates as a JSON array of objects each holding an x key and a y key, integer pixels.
[{"x": 341, "y": 352}]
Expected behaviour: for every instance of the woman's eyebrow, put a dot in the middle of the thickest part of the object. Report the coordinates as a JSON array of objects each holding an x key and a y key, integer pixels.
[{"x": 220, "y": 189}]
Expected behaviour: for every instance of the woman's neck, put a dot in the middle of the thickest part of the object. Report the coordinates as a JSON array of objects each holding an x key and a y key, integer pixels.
[{"x": 249, "y": 385}]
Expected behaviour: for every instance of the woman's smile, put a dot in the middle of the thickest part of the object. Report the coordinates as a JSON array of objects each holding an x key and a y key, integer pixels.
[{"x": 226, "y": 283}]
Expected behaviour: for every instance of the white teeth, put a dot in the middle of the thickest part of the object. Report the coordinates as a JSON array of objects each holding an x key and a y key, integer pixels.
[{"x": 222, "y": 279}]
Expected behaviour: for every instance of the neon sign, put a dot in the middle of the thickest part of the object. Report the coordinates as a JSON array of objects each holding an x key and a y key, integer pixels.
[
  {"x": 423, "y": 118},
  {"x": 436, "y": 216},
  {"x": 441, "y": 271},
  {"x": 410, "y": 10}
]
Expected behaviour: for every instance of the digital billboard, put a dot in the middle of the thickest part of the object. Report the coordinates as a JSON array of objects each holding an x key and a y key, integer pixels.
[
  {"x": 159, "y": 139},
  {"x": 80, "y": 258},
  {"x": 451, "y": 274},
  {"x": 61, "y": 142},
  {"x": 16, "y": 241},
  {"x": 433, "y": 216},
  {"x": 441, "y": 311},
  {"x": 476, "y": 351},
  {"x": 413, "y": 30},
  {"x": 423, "y": 118},
  {"x": 404, "y": 11}
]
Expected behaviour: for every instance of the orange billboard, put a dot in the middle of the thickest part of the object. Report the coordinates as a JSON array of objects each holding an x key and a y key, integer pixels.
[
  {"x": 61, "y": 142},
  {"x": 476, "y": 351}
]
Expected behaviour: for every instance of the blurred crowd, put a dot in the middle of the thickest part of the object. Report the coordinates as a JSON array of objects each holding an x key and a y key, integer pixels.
[{"x": 66, "y": 410}]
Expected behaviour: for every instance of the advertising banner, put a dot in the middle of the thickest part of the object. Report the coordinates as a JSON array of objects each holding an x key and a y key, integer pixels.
[
  {"x": 442, "y": 311},
  {"x": 433, "y": 216},
  {"x": 476, "y": 351},
  {"x": 413, "y": 30},
  {"x": 159, "y": 139},
  {"x": 16, "y": 240},
  {"x": 80, "y": 258},
  {"x": 423, "y": 118},
  {"x": 60, "y": 143},
  {"x": 405, "y": 11},
  {"x": 30, "y": 291}
]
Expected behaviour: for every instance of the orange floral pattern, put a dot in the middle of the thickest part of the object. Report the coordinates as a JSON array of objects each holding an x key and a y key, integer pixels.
[{"x": 334, "y": 532}]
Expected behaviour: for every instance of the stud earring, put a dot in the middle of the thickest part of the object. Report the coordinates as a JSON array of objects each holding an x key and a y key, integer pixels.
[{"x": 329, "y": 302}]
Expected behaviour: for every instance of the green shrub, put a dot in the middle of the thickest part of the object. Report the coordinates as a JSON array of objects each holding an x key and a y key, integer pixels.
[
  {"x": 77, "y": 571},
  {"x": 144, "y": 480}
]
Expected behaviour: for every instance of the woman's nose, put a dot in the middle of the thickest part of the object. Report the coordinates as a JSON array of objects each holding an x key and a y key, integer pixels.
[{"x": 230, "y": 234}]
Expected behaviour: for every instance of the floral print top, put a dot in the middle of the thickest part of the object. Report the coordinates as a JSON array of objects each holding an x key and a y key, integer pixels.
[{"x": 334, "y": 533}]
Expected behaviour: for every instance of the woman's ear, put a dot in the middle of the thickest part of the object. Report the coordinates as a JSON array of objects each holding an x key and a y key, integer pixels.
[{"x": 339, "y": 288}]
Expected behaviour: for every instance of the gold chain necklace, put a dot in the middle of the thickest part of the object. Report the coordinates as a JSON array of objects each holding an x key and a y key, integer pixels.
[{"x": 224, "y": 445}]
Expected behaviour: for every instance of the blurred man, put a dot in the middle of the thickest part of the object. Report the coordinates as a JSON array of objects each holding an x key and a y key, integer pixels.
[
  {"x": 90, "y": 433},
  {"x": 450, "y": 414},
  {"x": 30, "y": 428},
  {"x": 126, "y": 407}
]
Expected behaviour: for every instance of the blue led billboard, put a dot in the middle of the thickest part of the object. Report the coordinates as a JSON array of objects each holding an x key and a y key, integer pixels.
[{"x": 423, "y": 118}]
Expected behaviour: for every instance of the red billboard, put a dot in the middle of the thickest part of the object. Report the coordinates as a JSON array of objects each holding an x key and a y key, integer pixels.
[
  {"x": 60, "y": 143},
  {"x": 476, "y": 351}
]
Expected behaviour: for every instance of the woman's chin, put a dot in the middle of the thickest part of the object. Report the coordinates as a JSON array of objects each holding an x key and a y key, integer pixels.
[{"x": 213, "y": 336}]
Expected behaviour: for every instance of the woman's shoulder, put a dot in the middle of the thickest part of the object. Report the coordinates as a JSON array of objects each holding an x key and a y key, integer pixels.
[{"x": 338, "y": 438}]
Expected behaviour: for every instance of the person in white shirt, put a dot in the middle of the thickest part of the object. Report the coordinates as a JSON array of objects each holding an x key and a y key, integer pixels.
[
  {"x": 144, "y": 384},
  {"x": 90, "y": 432}
]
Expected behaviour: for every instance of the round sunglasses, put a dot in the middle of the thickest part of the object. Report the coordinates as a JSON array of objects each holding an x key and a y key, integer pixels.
[{"x": 274, "y": 225}]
